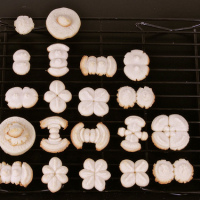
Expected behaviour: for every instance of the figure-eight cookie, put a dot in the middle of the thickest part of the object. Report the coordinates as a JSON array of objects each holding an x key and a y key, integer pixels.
[
  {"x": 63, "y": 23},
  {"x": 136, "y": 65}
]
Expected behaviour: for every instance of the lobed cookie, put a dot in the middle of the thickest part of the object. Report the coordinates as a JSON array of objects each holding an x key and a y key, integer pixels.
[
  {"x": 21, "y": 65},
  {"x": 94, "y": 174},
  {"x": 133, "y": 133},
  {"x": 170, "y": 132},
  {"x": 54, "y": 174},
  {"x": 100, "y": 66},
  {"x": 136, "y": 65},
  {"x": 99, "y": 136},
  {"x": 93, "y": 101},
  {"x": 54, "y": 144}
]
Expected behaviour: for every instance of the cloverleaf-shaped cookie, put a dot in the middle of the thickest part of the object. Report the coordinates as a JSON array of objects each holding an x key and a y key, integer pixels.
[
  {"x": 93, "y": 101},
  {"x": 94, "y": 174},
  {"x": 54, "y": 174},
  {"x": 57, "y": 97},
  {"x": 134, "y": 173},
  {"x": 170, "y": 132}
]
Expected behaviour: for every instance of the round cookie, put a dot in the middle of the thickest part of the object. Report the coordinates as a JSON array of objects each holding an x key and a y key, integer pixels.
[
  {"x": 24, "y": 25},
  {"x": 145, "y": 97},
  {"x": 163, "y": 171},
  {"x": 126, "y": 97},
  {"x": 183, "y": 171},
  {"x": 63, "y": 23}
]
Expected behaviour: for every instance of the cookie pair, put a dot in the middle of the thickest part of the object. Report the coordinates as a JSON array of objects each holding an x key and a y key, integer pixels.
[
  {"x": 127, "y": 97},
  {"x": 164, "y": 172}
]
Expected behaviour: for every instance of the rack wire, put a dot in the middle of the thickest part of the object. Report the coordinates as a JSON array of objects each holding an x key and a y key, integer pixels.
[{"x": 173, "y": 48}]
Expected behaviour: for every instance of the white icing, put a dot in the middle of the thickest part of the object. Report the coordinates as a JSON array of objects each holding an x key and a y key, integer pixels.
[{"x": 94, "y": 174}]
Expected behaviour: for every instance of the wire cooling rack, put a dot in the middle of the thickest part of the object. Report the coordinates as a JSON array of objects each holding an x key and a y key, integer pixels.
[{"x": 173, "y": 48}]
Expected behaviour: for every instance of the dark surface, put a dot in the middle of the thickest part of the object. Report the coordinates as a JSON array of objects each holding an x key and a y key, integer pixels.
[{"x": 186, "y": 57}]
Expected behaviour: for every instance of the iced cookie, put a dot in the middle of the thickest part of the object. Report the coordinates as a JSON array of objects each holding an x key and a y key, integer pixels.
[
  {"x": 21, "y": 65},
  {"x": 18, "y": 97},
  {"x": 183, "y": 171},
  {"x": 136, "y": 65},
  {"x": 134, "y": 173},
  {"x": 100, "y": 66},
  {"x": 133, "y": 133},
  {"x": 170, "y": 132},
  {"x": 126, "y": 97},
  {"x": 163, "y": 171},
  {"x": 58, "y": 54},
  {"x": 18, "y": 174},
  {"x": 54, "y": 174},
  {"x": 145, "y": 97},
  {"x": 94, "y": 174},
  {"x": 17, "y": 136},
  {"x": 99, "y": 136},
  {"x": 57, "y": 96},
  {"x": 24, "y": 25},
  {"x": 93, "y": 101},
  {"x": 54, "y": 144},
  {"x": 63, "y": 23}
]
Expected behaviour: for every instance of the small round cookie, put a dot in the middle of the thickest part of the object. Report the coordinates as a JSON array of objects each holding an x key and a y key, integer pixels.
[
  {"x": 21, "y": 55},
  {"x": 23, "y": 25},
  {"x": 126, "y": 97},
  {"x": 21, "y": 67},
  {"x": 63, "y": 23},
  {"x": 163, "y": 171},
  {"x": 145, "y": 97},
  {"x": 136, "y": 72},
  {"x": 183, "y": 171}
]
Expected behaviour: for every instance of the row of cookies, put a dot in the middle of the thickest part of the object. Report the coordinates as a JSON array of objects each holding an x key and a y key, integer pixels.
[
  {"x": 136, "y": 63},
  {"x": 95, "y": 173},
  {"x": 17, "y": 135},
  {"x": 92, "y": 101}
]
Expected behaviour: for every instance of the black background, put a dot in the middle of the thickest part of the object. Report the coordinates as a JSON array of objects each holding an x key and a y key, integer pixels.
[{"x": 103, "y": 8}]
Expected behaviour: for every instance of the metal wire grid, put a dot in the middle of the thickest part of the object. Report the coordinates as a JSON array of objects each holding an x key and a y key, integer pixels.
[{"x": 174, "y": 77}]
